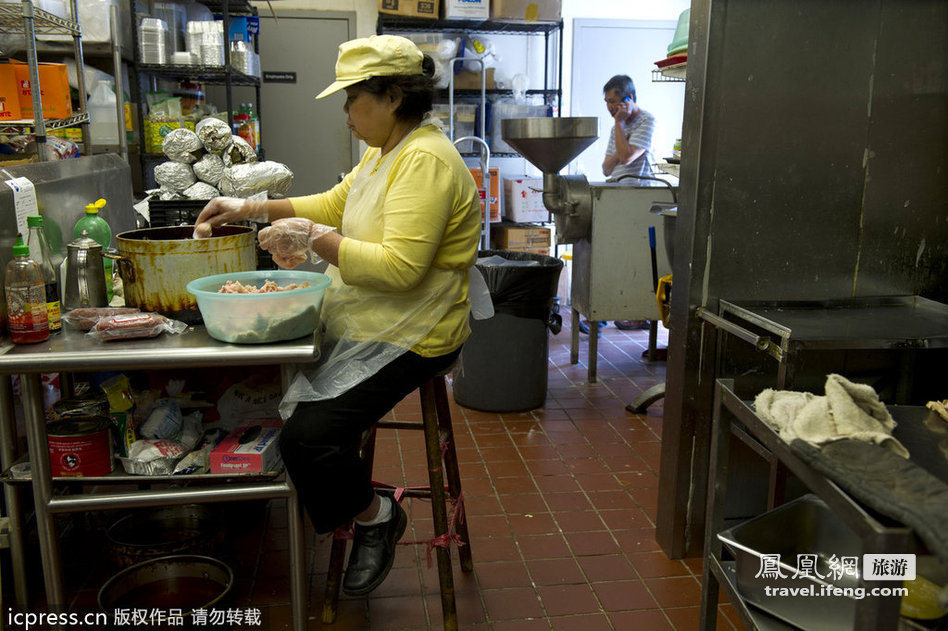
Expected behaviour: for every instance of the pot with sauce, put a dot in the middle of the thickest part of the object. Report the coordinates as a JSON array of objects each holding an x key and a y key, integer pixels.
[{"x": 156, "y": 264}]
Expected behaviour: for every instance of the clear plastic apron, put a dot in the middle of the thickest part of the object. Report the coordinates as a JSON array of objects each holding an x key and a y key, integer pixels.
[{"x": 361, "y": 339}]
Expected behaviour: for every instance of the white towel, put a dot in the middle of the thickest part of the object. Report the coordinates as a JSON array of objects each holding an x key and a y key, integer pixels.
[{"x": 848, "y": 410}]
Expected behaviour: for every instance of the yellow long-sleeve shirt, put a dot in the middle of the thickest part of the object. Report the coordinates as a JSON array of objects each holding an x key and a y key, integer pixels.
[{"x": 409, "y": 245}]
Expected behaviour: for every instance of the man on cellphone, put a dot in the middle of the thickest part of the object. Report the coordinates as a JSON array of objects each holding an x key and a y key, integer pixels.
[{"x": 631, "y": 137}]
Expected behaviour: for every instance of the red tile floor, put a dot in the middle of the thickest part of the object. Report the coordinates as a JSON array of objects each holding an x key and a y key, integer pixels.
[{"x": 560, "y": 503}]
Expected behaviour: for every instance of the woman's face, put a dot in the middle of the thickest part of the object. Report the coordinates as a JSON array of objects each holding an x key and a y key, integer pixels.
[{"x": 371, "y": 117}]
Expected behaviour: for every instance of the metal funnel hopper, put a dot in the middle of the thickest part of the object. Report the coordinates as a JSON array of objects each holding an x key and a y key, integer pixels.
[{"x": 550, "y": 143}]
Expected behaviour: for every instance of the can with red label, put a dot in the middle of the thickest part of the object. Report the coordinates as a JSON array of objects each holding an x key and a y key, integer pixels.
[{"x": 80, "y": 447}]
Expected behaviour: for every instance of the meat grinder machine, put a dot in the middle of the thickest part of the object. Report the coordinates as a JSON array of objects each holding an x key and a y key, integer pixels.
[{"x": 607, "y": 224}]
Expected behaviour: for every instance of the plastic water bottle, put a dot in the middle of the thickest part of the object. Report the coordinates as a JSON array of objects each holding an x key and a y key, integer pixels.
[
  {"x": 98, "y": 229},
  {"x": 28, "y": 321},
  {"x": 103, "y": 118}
]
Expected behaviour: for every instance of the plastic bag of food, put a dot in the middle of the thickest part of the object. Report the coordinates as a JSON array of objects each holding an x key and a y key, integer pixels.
[
  {"x": 84, "y": 318},
  {"x": 174, "y": 176},
  {"x": 182, "y": 145},
  {"x": 159, "y": 457},
  {"x": 199, "y": 460},
  {"x": 134, "y": 325},
  {"x": 164, "y": 420}
]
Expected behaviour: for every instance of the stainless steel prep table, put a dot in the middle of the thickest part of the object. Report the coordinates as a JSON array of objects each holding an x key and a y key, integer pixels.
[{"x": 73, "y": 351}]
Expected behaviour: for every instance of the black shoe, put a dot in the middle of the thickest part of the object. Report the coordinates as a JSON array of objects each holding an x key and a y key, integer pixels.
[
  {"x": 631, "y": 325},
  {"x": 373, "y": 551}
]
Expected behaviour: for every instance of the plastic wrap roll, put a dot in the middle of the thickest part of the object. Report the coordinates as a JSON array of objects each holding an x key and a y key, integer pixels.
[
  {"x": 201, "y": 190},
  {"x": 209, "y": 168},
  {"x": 214, "y": 133},
  {"x": 182, "y": 145},
  {"x": 174, "y": 176},
  {"x": 238, "y": 152},
  {"x": 244, "y": 180}
]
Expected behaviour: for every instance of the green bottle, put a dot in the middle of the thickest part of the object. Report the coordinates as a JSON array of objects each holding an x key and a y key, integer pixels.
[{"x": 98, "y": 229}]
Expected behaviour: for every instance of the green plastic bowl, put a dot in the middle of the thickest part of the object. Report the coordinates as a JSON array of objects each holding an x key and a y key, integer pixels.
[
  {"x": 680, "y": 40},
  {"x": 260, "y": 318}
]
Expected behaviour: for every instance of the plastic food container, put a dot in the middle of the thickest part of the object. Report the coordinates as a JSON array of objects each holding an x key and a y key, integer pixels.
[{"x": 265, "y": 317}]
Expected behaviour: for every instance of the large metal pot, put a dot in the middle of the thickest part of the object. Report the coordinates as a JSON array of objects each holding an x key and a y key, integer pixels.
[{"x": 156, "y": 264}]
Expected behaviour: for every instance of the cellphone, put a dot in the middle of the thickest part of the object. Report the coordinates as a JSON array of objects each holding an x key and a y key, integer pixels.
[{"x": 627, "y": 99}]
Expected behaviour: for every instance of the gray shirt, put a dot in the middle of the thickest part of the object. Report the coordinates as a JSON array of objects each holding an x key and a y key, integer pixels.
[{"x": 639, "y": 134}]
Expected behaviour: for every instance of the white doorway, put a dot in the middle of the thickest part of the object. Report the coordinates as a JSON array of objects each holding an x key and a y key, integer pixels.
[{"x": 604, "y": 48}]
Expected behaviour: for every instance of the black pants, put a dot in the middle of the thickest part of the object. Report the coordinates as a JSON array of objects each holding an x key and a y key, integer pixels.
[{"x": 320, "y": 441}]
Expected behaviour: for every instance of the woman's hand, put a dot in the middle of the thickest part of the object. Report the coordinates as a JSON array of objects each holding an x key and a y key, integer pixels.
[
  {"x": 221, "y": 210},
  {"x": 290, "y": 240}
]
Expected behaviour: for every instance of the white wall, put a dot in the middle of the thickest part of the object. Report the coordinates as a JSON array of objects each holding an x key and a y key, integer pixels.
[{"x": 610, "y": 9}]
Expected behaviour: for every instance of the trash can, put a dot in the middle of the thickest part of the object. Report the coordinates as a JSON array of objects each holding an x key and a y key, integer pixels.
[{"x": 503, "y": 365}]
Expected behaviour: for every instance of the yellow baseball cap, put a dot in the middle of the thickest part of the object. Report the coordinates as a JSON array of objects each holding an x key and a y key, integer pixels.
[{"x": 375, "y": 56}]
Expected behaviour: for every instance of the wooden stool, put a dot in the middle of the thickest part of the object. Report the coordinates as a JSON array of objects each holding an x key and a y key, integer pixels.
[{"x": 436, "y": 423}]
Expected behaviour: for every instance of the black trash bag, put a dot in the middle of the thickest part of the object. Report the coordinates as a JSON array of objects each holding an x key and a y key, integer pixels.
[{"x": 522, "y": 291}]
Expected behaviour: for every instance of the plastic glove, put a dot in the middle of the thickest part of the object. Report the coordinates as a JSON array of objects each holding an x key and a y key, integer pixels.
[
  {"x": 221, "y": 210},
  {"x": 290, "y": 240}
]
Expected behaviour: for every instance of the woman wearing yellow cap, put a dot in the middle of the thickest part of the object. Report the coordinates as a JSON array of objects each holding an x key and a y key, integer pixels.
[{"x": 401, "y": 233}]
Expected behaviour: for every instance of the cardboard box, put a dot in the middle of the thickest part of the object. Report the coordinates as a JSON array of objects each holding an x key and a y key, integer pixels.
[
  {"x": 466, "y": 9},
  {"x": 495, "y": 199},
  {"x": 54, "y": 90},
  {"x": 258, "y": 453},
  {"x": 9, "y": 97},
  {"x": 526, "y": 10},
  {"x": 469, "y": 80},
  {"x": 523, "y": 200},
  {"x": 410, "y": 8},
  {"x": 520, "y": 238}
]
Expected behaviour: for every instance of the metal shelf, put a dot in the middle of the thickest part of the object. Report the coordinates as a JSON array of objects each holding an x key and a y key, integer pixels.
[
  {"x": 393, "y": 23},
  {"x": 207, "y": 74},
  {"x": 26, "y": 125},
  {"x": 674, "y": 74},
  {"x": 44, "y": 22}
]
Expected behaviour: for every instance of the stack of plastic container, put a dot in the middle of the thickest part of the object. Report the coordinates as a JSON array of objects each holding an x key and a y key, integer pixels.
[
  {"x": 154, "y": 42},
  {"x": 205, "y": 42}
]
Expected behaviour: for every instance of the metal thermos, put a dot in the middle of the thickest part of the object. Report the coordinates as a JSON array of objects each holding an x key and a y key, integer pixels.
[{"x": 85, "y": 274}]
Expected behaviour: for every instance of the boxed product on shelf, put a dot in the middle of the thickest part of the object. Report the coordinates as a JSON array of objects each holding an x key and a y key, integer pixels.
[
  {"x": 495, "y": 199},
  {"x": 156, "y": 128},
  {"x": 251, "y": 447},
  {"x": 55, "y": 89},
  {"x": 545, "y": 10},
  {"x": 466, "y": 9},
  {"x": 9, "y": 100},
  {"x": 471, "y": 80},
  {"x": 410, "y": 8},
  {"x": 523, "y": 199},
  {"x": 520, "y": 237}
]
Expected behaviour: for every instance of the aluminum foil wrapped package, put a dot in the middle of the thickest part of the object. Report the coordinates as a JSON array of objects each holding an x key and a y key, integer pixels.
[
  {"x": 166, "y": 195},
  {"x": 238, "y": 151},
  {"x": 244, "y": 180},
  {"x": 209, "y": 168},
  {"x": 201, "y": 190},
  {"x": 174, "y": 176},
  {"x": 214, "y": 133},
  {"x": 182, "y": 145}
]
